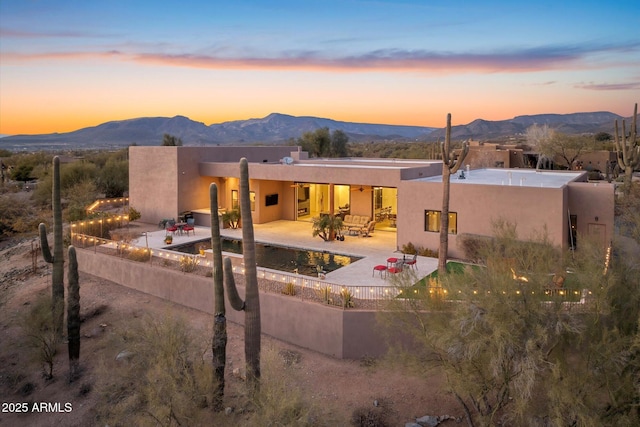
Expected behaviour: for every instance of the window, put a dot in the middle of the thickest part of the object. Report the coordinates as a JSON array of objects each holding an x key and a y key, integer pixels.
[
  {"x": 432, "y": 221},
  {"x": 234, "y": 199}
]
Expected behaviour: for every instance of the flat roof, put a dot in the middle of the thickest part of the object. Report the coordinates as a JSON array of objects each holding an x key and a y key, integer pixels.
[
  {"x": 512, "y": 177},
  {"x": 365, "y": 163}
]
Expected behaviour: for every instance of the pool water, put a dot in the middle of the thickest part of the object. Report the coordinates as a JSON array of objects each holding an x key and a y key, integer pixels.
[{"x": 276, "y": 257}]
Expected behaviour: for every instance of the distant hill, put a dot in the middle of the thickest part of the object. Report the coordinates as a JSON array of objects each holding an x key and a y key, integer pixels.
[
  {"x": 272, "y": 129},
  {"x": 573, "y": 123},
  {"x": 278, "y": 128}
]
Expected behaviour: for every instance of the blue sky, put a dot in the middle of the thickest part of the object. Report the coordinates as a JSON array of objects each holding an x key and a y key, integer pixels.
[{"x": 70, "y": 64}]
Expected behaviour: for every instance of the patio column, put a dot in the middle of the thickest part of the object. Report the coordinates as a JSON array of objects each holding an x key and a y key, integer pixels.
[{"x": 331, "y": 207}]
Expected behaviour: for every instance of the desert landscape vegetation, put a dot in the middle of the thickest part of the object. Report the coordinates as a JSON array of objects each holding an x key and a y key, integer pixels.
[{"x": 491, "y": 347}]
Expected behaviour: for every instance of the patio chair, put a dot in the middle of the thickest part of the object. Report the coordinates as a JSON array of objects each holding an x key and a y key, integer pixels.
[
  {"x": 412, "y": 262},
  {"x": 380, "y": 269},
  {"x": 171, "y": 227},
  {"x": 366, "y": 231},
  {"x": 189, "y": 228},
  {"x": 398, "y": 267}
]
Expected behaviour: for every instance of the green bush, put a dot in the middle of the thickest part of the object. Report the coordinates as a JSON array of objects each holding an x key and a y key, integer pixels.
[{"x": 42, "y": 335}]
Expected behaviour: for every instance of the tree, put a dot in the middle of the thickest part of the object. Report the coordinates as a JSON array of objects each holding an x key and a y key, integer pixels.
[
  {"x": 339, "y": 141},
  {"x": 537, "y": 138},
  {"x": 602, "y": 137},
  {"x": 170, "y": 140},
  {"x": 449, "y": 166},
  {"x": 42, "y": 333},
  {"x": 515, "y": 354},
  {"x": 113, "y": 178},
  {"x": 567, "y": 148},
  {"x": 628, "y": 148},
  {"x": 322, "y": 143}
]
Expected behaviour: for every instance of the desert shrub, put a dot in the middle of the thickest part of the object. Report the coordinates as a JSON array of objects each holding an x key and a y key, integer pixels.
[
  {"x": 163, "y": 380},
  {"x": 279, "y": 401},
  {"x": 324, "y": 293},
  {"x": 474, "y": 246},
  {"x": 188, "y": 263},
  {"x": 138, "y": 254},
  {"x": 289, "y": 289},
  {"x": 411, "y": 249},
  {"x": 42, "y": 335},
  {"x": 17, "y": 215},
  {"x": 374, "y": 416},
  {"x": 133, "y": 214},
  {"x": 347, "y": 298}
]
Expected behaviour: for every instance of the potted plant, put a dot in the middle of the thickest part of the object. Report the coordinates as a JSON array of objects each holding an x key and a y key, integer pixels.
[
  {"x": 232, "y": 218},
  {"x": 168, "y": 239},
  {"x": 326, "y": 226}
]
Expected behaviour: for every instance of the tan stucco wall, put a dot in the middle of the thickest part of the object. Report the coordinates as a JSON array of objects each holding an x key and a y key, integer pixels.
[
  {"x": 164, "y": 181},
  {"x": 348, "y": 334},
  {"x": 476, "y": 207},
  {"x": 153, "y": 182},
  {"x": 591, "y": 200}
]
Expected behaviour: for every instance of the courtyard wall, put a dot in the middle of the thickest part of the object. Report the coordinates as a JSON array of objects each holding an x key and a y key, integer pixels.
[{"x": 344, "y": 334}]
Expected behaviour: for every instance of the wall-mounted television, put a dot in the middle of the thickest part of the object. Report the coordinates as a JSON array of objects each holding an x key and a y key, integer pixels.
[{"x": 271, "y": 200}]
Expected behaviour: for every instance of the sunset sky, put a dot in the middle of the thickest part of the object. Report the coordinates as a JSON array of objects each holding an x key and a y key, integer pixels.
[{"x": 65, "y": 65}]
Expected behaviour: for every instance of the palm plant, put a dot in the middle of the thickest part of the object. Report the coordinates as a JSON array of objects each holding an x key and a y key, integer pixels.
[{"x": 326, "y": 226}]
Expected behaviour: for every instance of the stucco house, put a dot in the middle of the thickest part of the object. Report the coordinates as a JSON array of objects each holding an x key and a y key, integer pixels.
[{"x": 404, "y": 196}]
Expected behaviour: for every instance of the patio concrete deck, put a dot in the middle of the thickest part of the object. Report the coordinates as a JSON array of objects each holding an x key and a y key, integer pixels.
[{"x": 374, "y": 250}]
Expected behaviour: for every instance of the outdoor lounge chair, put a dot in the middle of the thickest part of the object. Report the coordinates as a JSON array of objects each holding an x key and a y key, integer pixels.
[{"x": 366, "y": 231}]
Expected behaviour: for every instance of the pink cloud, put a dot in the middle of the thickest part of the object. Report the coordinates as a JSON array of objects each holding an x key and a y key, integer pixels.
[{"x": 516, "y": 61}]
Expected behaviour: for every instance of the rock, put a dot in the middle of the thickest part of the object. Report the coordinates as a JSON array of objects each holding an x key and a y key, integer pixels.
[
  {"x": 228, "y": 410},
  {"x": 238, "y": 374},
  {"x": 124, "y": 355},
  {"x": 376, "y": 403},
  {"x": 412, "y": 425},
  {"x": 428, "y": 421}
]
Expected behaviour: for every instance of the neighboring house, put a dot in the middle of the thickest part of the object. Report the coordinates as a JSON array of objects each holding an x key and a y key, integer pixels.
[{"x": 405, "y": 196}]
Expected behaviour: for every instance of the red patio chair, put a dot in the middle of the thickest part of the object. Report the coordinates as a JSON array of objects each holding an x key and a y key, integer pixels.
[
  {"x": 188, "y": 228},
  {"x": 171, "y": 227},
  {"x": 379, "y": 268},
  {"x": 396, "y": 268}
]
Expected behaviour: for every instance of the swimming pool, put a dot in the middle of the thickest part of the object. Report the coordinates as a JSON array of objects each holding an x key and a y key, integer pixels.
[{"x": 282, "y": 258}]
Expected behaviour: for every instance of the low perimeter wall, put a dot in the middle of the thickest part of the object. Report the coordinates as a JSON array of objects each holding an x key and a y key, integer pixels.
[{"x": 344, "y": 334}]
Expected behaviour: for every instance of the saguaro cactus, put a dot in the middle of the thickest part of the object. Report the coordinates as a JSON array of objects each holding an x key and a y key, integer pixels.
[
  {"x": 449, "y": 166},
  {"x": 251, "y": 304},
  {"x": 628, "y": 149},
  {"x": 219, "y": 343},
  {"x": 57, "y": 259},
  {"x": 73, "y": 314}
]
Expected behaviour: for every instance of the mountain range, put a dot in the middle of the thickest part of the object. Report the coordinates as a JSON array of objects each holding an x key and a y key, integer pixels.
[{"x": 279, "y": 128}]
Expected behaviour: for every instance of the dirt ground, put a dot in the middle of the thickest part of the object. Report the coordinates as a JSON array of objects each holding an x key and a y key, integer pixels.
[{"x": 338, "y": 386}]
